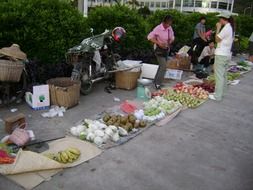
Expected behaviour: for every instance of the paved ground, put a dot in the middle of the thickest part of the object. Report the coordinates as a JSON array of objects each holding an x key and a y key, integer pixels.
[{"x": 209, "y": 148}]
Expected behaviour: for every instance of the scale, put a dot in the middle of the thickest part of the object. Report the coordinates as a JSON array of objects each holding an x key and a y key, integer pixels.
[{"x": 143, "y": 91}]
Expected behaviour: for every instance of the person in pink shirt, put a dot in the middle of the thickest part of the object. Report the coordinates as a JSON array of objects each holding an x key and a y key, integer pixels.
[{"x": 162, "y": 37}]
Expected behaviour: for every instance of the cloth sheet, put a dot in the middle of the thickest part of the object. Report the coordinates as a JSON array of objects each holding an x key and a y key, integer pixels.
[{"x": 30, "y": 168}]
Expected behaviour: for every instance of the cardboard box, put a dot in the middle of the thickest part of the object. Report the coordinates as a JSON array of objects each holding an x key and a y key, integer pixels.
[
  {"x": 179, "y": 63},
  {"x": 39, "y": 99},
  {"x": 173, "y": 74},
  {"x": 149, "y": 70}
]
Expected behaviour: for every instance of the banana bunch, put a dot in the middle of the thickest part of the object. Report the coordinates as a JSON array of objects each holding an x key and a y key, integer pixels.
[{"x": 67, "y": 156}]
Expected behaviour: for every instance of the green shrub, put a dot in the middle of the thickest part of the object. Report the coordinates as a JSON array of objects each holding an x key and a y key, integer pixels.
[
  {"x": 102, "y": 18},
  {"x": 44, "y": 29},
  {"x": 244, "y": 25}
]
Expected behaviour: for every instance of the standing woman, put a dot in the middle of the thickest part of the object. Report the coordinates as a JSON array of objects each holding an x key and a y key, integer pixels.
[
  {"x": 224, "y": 38},
  {"x": 162, "y": 37}
]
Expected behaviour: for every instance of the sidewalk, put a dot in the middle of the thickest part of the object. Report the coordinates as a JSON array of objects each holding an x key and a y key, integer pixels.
[{"x": 206, "y": 148}]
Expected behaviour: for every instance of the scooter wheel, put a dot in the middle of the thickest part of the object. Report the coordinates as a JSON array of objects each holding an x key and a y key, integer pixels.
[{"x": 86, "y": 87}]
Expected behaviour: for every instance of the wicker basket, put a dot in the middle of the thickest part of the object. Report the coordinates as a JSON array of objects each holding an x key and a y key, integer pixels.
[
  {"x": 64, "y": 92},
  {"x": 11, "y": 71},
  {"x": 126, "y": 79}
]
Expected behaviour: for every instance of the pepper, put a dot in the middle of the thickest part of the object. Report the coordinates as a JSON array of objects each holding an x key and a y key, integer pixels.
[{"x": 6, "y": 160}]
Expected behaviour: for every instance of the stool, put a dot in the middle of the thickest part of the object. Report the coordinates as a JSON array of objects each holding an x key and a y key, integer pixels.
[{"x": 14, "y": 121}]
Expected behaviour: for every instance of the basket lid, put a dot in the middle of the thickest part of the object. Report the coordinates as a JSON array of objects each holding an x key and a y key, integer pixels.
[{"x": 14, "y": 52}]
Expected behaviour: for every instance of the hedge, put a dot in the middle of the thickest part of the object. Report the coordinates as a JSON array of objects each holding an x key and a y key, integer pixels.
[
  {"x": 45, "y": 29},
  {"x": 102, "y": 18}
]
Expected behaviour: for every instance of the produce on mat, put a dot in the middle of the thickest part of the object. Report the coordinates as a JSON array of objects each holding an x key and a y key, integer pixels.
[
  {"x": 197, "y": 92},
  {"x": 207, "y": 86},
  {"x": 234, "y": 69},
  {"x": 69, "y": 155},
  {"x": 231, "y": 77},
  {"x": 243, "y": 63},
  {"x": 159, "y": 93},
  {"x": 184, "y": 98},
  {"x": 114, "y": 127},
  {"x": 156, "y": 109},
  {"x": 127, "y": 122},
  {"x": 238, "y": 68},
  {"x": 5, "y": 158}
]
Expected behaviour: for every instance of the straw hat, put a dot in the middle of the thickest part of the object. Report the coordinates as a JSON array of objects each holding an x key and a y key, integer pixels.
[{"x": 13, "y": 51}]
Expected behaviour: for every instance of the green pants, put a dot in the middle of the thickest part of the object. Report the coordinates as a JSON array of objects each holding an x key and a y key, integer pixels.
[
  {"x": 220, "y": 73},
  {"x": 161, "y": 69}
]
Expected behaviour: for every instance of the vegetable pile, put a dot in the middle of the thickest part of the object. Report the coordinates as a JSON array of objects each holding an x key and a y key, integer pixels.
[
  {"x": 238, "y": 69},
  {"x": 231, "y": 77},
  {"x": 67, "y": 156},
  {"x": 5, "y": 158},
  {"x": 184, "y": 98},
  {"x": 197, "y": 92},
  {"x": 159, "y": 93},
  {"x": 112, "y": 129},
  {"x": 127, "y": 122},
  {"x": 157, "y": 108},
  {"x": 243, "y": 64},
  {"x": 207, "y": 86}
]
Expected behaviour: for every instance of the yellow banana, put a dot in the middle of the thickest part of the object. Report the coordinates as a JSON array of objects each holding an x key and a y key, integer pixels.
[
  {"x": 76, "y": 156},
  {"x": 74, "y": 151},
  {"x": 58, "y": 157},
  {"x": 70, "y": 160},
  {"x": 70, "y": 155},
  {"x": 64, "y": 155},
  {"x": 63, "y": 158}
]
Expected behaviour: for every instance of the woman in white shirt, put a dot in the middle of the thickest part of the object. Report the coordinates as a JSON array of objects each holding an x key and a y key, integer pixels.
[{"x": 224, "y": 38}]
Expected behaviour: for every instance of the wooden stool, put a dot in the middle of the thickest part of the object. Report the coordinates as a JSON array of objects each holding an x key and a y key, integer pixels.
[{"x": 14, "y": 121}]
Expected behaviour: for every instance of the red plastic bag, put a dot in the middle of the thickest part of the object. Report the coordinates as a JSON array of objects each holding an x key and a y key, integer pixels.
[{"x": 127, "y": 107}]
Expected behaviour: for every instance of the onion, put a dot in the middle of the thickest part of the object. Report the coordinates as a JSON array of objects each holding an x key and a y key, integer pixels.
[
  {"x": 108, "y": 131},
  {"x": 98, "y": 140},
  {"x": 90, "y": 136},
  {"x": 115, "y": 137},
  {"x": 99, "y": 133},
  {"x": 122, "y": 132}
]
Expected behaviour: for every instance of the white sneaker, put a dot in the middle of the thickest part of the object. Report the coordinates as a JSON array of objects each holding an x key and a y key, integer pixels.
[{"x": 211, "y": 97}]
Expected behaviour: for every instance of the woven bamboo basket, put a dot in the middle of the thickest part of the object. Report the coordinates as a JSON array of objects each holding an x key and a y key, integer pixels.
[
  {"x": 64, "y": 92},
  {"x": 10, "y": 71},
  {"x": 126, "y": 79}
]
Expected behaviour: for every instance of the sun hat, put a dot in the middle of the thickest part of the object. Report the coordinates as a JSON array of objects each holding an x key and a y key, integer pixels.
[
  {"x": 224, "y": 14},
  {"x": 14, "y": 52}
]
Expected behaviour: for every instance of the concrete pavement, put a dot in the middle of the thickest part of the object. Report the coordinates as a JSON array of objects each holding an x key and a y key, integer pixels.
[{"x": 208, "y": 148}]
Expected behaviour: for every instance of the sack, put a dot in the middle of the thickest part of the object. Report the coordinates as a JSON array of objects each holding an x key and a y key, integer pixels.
[
  {"x": 161, "y": 52},
  {"x": 19, "y": 136},
  {"x": 201, "y": 74}
]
